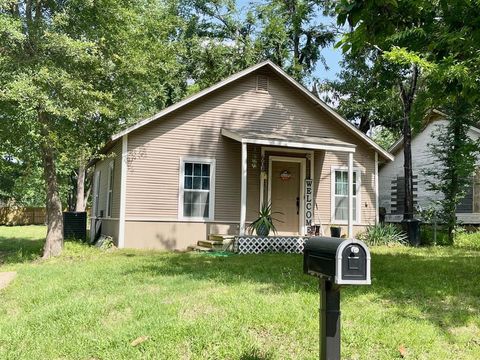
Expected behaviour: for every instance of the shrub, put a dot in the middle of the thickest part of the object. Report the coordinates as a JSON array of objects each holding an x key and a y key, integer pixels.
[
  {"x": 467, "y": 240},
  {"x": 427, "y": 235},
  {"x": 386, "y": 234}
]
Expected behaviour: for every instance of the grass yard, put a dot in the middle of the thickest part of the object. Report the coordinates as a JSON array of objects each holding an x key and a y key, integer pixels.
[{"x": 90, "y": 304}]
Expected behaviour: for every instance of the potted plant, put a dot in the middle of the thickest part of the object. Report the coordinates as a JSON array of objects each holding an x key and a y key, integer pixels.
[
  {"x": 335, "y": 231},
  {"x": 264, "y": 223}
]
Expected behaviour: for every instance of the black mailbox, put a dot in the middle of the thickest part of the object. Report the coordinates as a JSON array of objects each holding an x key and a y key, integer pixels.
[
  {"x": 341, "y": 261},
  {"x": 335, "y": 262}
]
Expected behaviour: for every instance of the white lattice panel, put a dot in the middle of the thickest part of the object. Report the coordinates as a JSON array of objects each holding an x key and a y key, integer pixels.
[{"x": 277, "y": 244}]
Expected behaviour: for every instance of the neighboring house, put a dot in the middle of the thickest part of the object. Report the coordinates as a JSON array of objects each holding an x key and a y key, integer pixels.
[
  {"x": 206, "y": 164},
  {"x": 391, "y": 176}
]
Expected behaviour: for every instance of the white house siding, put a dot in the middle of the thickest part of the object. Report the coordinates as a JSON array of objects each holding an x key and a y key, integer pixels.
[{"x": 422, "y": 160}]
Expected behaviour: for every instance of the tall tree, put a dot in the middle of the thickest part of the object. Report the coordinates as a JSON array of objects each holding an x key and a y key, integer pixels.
[
  {"x": 455, "y": 154},
  {"x": 442, "y": 37},
  {"x": 364, "y": 93},
  {"x": 227, "y": 39},
  {"x": 292, "y": 33},
  {"x": 389, "y": 27},
  {"x": 74, "y": 71}
]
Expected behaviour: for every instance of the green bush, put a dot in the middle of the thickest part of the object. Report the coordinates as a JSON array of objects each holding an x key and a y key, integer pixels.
[
  {"x": 468, "y": 240},
  {"x": 386, "y": 234},
  {"x": 427, "y": 235}
]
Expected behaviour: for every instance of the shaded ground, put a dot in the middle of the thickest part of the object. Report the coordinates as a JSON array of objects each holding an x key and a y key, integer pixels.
[
  {"x": 21, "y": 243},
  {"x": 89, "y": 304}
]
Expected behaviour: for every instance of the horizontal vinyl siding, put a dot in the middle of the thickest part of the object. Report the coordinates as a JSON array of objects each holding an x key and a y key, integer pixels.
[
  {"x": 422, "y": 160},
  {"x": 153, "y": 177},
  {"x": 324, "y": 161}
]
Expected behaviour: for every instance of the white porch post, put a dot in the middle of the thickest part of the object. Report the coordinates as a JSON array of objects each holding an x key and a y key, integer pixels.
[
  {"x": 243, "y": 191},
  {"x": 350, "y": 195},
  {"x": 377, "y": 215},
  {"x": 123, "y": 193}
]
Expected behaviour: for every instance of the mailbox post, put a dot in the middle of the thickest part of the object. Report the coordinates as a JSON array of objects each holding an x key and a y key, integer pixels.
[{"x": 335, "y": 262}]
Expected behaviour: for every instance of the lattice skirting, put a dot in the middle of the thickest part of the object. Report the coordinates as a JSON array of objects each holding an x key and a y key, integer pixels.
[{"x": 277, "y": 244}]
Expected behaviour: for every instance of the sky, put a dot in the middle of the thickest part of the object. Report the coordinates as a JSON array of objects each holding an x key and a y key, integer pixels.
[{"x": 332, "y": 56}]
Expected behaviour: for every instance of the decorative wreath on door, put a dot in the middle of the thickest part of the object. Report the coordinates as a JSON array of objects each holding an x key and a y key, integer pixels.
[{"x": 285, "y": 175}]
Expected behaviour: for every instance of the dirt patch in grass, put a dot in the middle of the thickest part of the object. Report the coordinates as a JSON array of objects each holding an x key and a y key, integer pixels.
[{"x": 6, "y": 278}]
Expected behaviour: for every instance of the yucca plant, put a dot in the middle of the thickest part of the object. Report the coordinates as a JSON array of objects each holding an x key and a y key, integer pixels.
[
  {"x": 383, "y": 234},
  {"x": 264, "y": 223}
]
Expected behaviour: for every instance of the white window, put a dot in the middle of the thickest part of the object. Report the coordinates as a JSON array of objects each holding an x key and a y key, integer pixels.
[
  {"x": 197, "y": 188},
  {"x": 110, "y": 189},
  {"x": 340, "y": 195}
]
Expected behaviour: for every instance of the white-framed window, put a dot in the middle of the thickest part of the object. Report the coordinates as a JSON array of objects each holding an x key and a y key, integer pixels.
[
  {"x": 196, "y": 188},
  {"x": 110, "y": 189},
  {"x": 339, "y": 191}
]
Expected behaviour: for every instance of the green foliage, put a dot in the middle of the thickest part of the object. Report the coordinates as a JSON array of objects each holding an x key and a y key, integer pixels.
[
  {"x": 432, "y": 236},
  {"x": 291, "y": 36},
  {"x": 365, "y": 93},
  {"x": 264, "y": 224},
  {"x": 86, "y": 70},
  {"x": 468, "y": 240},
  {"x": 383, "y": 234},
  {"x": 455, "y": 154},
  {"x": 436, "y": 43},
  {"x": 385, "y": 137}
]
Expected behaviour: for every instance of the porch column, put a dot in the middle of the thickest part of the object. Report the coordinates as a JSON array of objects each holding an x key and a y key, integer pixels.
[
  {"x": 350, "y": 195},
  {"x": 243, "y": 191},
  {"x": 377, "y": 214}
]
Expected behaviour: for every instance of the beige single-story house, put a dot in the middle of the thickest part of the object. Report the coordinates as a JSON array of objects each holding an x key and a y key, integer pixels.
[{"x": 206, "y": 164}]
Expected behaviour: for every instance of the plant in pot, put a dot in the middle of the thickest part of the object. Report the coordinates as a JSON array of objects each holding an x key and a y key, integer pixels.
[
  {"x": 264, "y": 223},
  {"x": 335, "y": 231}
]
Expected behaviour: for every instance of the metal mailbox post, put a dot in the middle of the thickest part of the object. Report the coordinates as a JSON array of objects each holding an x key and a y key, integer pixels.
[{"x": 335, "y": 262}]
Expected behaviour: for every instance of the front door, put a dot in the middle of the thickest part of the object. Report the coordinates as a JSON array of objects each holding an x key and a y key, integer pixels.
[{"x": 285, "y": 195}]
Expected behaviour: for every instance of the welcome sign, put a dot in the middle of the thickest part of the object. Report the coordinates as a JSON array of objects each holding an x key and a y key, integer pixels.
[{"x": 308, "y": 202}]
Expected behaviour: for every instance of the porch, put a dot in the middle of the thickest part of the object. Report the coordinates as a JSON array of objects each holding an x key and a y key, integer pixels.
[{"x": 284, "y": 171}]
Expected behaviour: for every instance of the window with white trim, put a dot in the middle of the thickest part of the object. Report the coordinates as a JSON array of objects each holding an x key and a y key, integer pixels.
[
  {"x": 197, "y": 188},
  {"x": 340, "y": 195},
  {"x": 110, "y": 189}
]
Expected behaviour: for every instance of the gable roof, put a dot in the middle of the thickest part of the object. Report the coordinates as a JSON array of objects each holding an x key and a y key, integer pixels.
[
  {"x": 433, "y": 115},
  {"x": 277, "y": 70}
]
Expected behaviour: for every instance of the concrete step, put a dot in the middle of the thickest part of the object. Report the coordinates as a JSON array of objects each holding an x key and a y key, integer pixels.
[
  {"x": 220, "y": 237},
  {"x": 213, "y": 244},
  {"x": 199, "y": 248}
]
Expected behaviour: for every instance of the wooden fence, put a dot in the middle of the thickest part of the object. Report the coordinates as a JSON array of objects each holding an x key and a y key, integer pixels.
[{"x": 22, "y": 215}]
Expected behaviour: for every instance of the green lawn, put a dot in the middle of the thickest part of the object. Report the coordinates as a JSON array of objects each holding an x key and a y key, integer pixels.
[{"x": 89, "y": 304}]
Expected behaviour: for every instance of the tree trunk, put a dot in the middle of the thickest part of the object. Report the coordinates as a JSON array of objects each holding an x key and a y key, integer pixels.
[
  {"x": 80, "y": 203},
  {"x": 54, "y": 241},
  {"x": 407, "y": 167},
  {"x": 408, "y": 96},
  {"x": 364, "y": 125}
]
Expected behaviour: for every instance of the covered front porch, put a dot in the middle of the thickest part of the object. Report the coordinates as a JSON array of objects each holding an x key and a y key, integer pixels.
[{"x": 286, "y": 171}]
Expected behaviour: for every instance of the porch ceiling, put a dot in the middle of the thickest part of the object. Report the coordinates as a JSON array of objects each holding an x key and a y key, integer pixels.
[{"x": 292, "y": 141}]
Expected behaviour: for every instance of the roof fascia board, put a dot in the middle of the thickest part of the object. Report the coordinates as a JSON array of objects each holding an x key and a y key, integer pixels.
[
  {"x": 286, "y": 143},
  {"x": 324, "y": 106},
  {"x": 189, "y": 99},
  {"x": 243, "y": 73}
]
